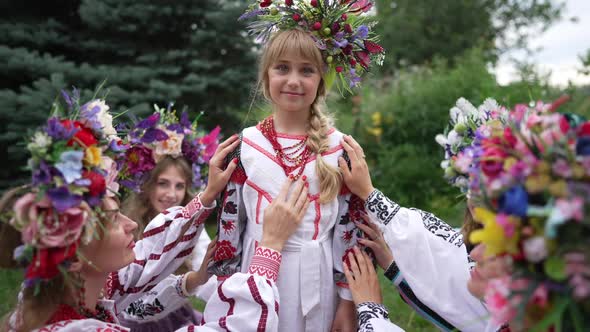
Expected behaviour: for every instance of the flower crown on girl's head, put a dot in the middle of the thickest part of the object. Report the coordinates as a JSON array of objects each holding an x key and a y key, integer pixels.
[
  {"x": 73, "y": 169},
  {"x": 465, "y": 121},
  {"x": 533, "y": 178},
  {"x": 164, "y": 134},
  {"x": 340, "y": 31}
]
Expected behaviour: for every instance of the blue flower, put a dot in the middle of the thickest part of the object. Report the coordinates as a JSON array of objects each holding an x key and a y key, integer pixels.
[
  {"x": 514, "y": 201},
  {"x": 42, "y": 174},
  {"x": 70, "y": 165},
  {"x": 583, "y": 146},
  {"x": 362, "y": 32}
]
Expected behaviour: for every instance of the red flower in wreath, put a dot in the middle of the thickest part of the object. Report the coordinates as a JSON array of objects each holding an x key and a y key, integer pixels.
[
  {"x": 224, "y": 251},
  {"x": 84, "y": 137},
  {"x": 45, "y": 262}
]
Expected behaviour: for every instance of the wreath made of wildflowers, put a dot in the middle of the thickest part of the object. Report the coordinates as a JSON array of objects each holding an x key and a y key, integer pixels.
[
  {"x": 340, "y": 28},
  {"x": 73, "y": 168},
  {"x": 465, "y": 123},
  {"x": 533, "y": 179},
  {"x": 164, "y": 134}
]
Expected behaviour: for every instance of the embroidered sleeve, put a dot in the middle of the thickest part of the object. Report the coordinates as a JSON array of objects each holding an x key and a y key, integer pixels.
[
  {"x": 168, "y": 239},
  {"x": 242, "y": 302},
  {"x": 231, "y": 224},
  {"x": 266, "y": 263},
  {"x": 367, "y": 313},
  {"x": 384, "y": 210},
  {"x": 346, "y": 234}
]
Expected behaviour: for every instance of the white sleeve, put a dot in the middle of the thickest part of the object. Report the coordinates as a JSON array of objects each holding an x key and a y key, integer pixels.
[
  {"x": 167, "y": 240},
  {"x": 373, "y": 317},
  {"x": 196, "y": 258},
  {"x": 245, "y": 301},
  {"x": 432, "y": 261}
]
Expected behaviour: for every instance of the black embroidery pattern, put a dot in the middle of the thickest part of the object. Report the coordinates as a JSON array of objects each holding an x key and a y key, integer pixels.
[
  {"x": 367, "y": 311},
  {"x": 379, "y": 204},
  {"x": 142, "y": 310},
  {"x": 392, "y": 271},
  {"x": 440, "y": 228}
]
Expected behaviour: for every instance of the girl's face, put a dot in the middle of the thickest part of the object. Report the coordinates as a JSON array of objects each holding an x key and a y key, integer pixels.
[
  {"x": 487, "y": 268},
  {"x": 169, "y": 190},
  {"x": 115, "y": 249},
  {"x": 293, "y": 83}
]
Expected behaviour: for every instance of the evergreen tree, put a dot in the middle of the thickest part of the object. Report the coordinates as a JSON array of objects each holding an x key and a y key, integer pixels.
[{"x": 194, "y": 53}]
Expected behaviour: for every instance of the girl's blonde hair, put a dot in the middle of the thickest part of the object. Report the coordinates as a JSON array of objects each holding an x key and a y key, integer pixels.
[
  {"x": 300, "y": 44},
  {"x": 138, "y": 206}
]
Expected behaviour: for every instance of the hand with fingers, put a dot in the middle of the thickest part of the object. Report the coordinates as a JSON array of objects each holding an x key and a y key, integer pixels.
[
  {"x": 283, "y": 216},
  {"x": 357, "y": 178},
  {"x": 362, "y": 278},
  {"x": 374, "y": 239},
  {"x": 218, "y": 176},
  {"x": 197, "y": 278}
]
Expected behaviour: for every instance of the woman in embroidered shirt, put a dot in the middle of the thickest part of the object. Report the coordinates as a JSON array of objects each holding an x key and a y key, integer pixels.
[
  {"x": 167, "y": 186},
  {"x": 296, "y": 141}
]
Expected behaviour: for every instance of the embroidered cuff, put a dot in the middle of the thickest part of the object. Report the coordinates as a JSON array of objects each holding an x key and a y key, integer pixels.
[
  {"x": 368, "y": 310},
  {"x": 381, "y": 207},
  {"x": 266, "y": 263},
  {"x": 393, "y": 273},
  {"x": 195, "y": 206},
  {"x": 181, "y": 286}
]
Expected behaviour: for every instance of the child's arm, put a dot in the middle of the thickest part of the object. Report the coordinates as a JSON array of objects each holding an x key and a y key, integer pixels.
[{"x": 231, "y": 223}]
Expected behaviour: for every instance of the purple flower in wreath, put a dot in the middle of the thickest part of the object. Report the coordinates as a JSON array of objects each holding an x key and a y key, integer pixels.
[
  {"x": 150, "y": 122},
  {"x": 42, "y": 174},
  {"x": 190, "y": 151},
  {"x": 153, "y": 134},
  {"x": 58, "y": 131},
  {"x": 62, "y": 199},
  {"x": 139, "y": 159}
]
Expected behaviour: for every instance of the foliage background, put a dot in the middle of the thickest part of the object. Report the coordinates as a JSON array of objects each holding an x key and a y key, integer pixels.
[{"x": 198, "y": 55}]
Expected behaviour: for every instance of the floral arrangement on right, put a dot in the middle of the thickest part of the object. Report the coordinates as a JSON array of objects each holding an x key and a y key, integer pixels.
[{"x": 532, "y": 177}]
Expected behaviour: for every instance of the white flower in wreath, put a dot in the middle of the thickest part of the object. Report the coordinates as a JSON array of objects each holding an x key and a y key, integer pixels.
[
  {"x": 170, "y": 147},
  {"x": 39, "y": 143}
]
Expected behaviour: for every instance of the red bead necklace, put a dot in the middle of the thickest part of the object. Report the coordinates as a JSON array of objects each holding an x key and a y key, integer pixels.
[{"x": 297, "y": 154}]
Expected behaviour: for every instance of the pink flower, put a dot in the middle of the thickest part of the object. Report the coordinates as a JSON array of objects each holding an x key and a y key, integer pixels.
[
  {"x": 498, "y": 302},
  {"x": 492, "y": 161},
  {"x": 572, "y": 208},
  {"x": 562, "y": 168},
  {"x": 110, "y": 166},
  {"x": 169, "y": 147},
  {"x": 40, "y": 226},
  {"x": 506, "y": 224},
  {"x": 540, "y": 296},
  {"x": 139, "y": 159},
  {"x": 211, "y": 142},
  {"x": 535, "y": 249}
]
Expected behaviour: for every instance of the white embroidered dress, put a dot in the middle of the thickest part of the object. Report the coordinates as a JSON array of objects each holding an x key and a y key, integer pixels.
[{"x": 312, "y": 258}]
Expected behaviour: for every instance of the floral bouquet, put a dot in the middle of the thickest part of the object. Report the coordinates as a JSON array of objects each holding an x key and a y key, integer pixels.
[
  {"x": 533, "y": 177},
  {"x": 73, "y": 168},
  {"x": 458, "y": 137},
  {"x": 164, "y": 134},
  {"x": 342, "y": 34}
]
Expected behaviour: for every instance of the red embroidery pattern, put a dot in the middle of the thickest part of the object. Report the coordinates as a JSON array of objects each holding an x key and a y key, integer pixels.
[
  {"x": 228, "y": 226},
  {"x": 261, "y": 193},
  {"x": 224, "y": 251},
  {"x": 258, "y": 299},
  {"x": 230, "y": 301},
  {"x": 266, "y": 263},
  {"x": 192, "y": 208},
  {"x": 168, "y": 247},
  {"x": 157, "y": 230},
  {"x": 112, "y": 284}
]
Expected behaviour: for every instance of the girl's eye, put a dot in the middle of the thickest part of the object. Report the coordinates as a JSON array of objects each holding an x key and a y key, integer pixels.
[
  {"x": 282, "y": 68},
  {"x": 308, "y": 70},
  {"x": 180, "y": 187},
  {"x": 162, "y": 184}
]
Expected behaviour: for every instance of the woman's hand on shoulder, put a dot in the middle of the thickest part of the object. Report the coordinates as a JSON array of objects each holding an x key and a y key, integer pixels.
[
  {"x": 357, "y": 178},
  {"x": 218, "y": 176}
]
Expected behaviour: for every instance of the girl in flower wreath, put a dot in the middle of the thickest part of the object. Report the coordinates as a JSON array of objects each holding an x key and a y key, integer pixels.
[
  {"x": 73, "y": 237},
  {"x": 308, "y": 46},
  {"x": 176, "y": 157}
]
